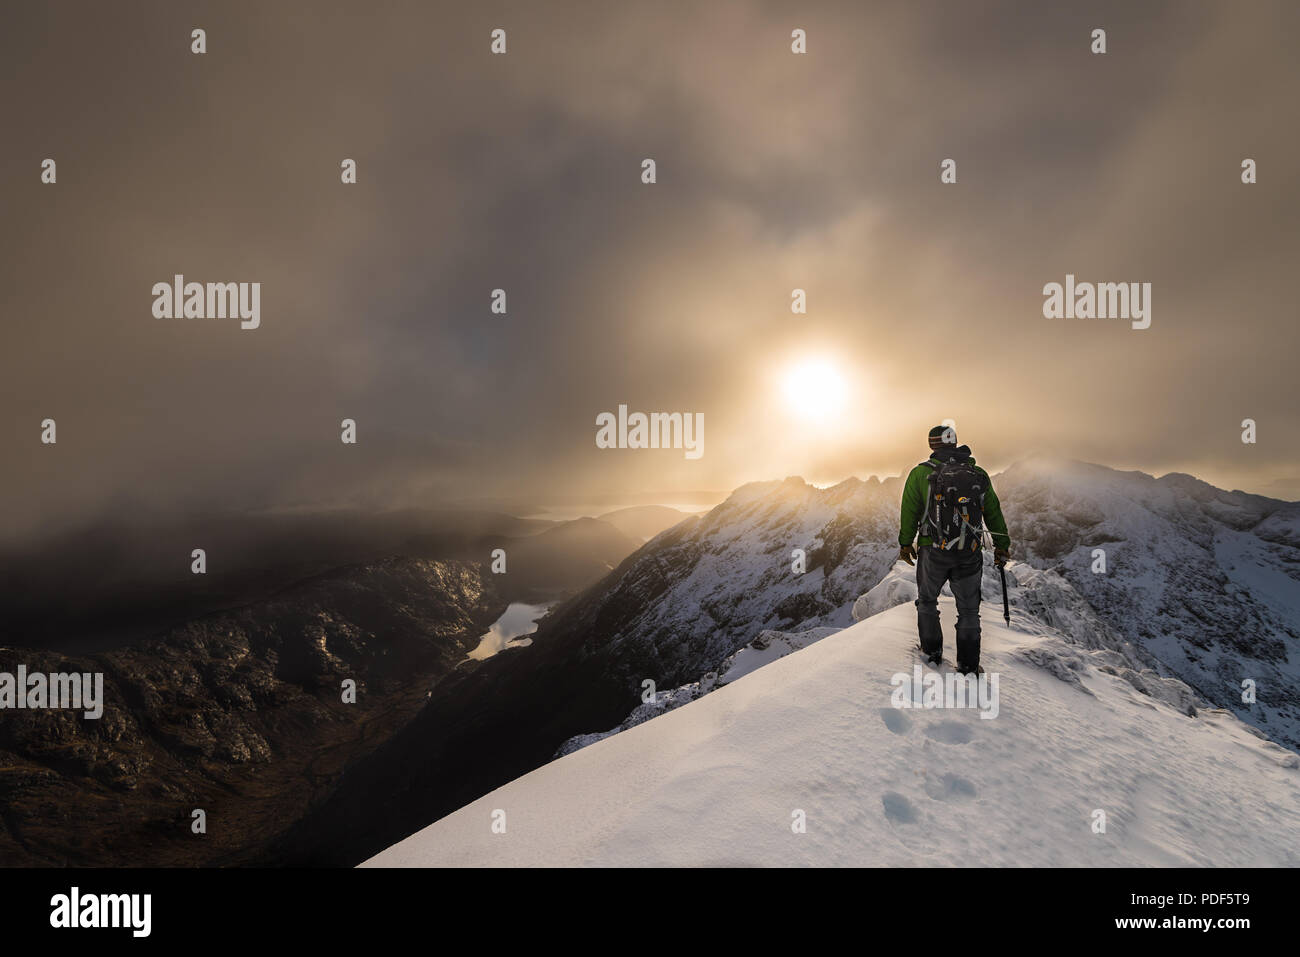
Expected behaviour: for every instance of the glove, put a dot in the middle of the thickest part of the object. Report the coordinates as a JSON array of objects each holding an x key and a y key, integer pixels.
[
  {"x": 1000, "y": 556},
  {"x": 906, "y": 554}
]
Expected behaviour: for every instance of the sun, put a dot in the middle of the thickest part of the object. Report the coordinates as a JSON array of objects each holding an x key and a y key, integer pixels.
[{"x": 815, "y": 390}]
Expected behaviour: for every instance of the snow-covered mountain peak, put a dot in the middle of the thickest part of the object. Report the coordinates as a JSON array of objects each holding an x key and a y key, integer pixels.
[
  {"x": 1182, "y": 581},
  {"x": 752, "y": 492},
  {"x": 1204, "y": 580}
]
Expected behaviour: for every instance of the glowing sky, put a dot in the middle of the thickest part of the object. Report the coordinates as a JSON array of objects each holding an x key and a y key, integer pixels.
[{"x": 522, "y": 172}]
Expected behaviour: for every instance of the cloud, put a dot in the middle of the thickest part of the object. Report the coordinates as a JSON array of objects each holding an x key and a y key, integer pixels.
[{"x": 521, "y": 172}]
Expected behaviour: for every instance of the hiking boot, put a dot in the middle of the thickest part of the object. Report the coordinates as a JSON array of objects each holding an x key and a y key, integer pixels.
[{"x": 966, "y": 670}]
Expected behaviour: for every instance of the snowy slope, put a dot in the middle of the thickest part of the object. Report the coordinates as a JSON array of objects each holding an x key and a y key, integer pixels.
[
  {"x": 1040, "y": 600},
  {"x": 1200, "y": 584},
  {"x": 766, "y": 648},
  {"x": 741, "y": 559},
  {"x": 1113, "y": 685},
  {"x": 1204, "y": 580},
  {"x": 698, "y": 592},
  {"x": 716, "y": 782}
]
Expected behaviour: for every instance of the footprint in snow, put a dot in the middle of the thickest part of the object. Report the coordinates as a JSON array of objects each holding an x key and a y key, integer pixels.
[
  {"x": 898, "y": 809},
  {"x": 950, "y": 732},
  {"x": 950, "y": 787},
  {"x": 895, "y": 720}
]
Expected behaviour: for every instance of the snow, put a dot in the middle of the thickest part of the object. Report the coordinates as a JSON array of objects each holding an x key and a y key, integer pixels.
[
  {"x": 766, "y": 648},
  {"x": 1203, "y": 582},
  {"x": 896, "y": 588},
  {"x": 719, "y": 780},
  {"x": 731, "y": 574},
  {"x": 1247, "y": 562},
  {"x": 1168, "y": 598}
]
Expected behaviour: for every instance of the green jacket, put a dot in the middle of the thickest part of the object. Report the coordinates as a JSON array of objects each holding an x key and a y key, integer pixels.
[{"x": 915, "y": 490}]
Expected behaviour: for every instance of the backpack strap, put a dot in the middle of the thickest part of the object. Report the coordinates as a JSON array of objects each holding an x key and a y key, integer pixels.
[{"x": 928, "y": 521}]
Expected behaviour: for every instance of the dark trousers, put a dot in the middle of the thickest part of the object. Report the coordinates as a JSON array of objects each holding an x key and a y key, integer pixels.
[{"x": 963, "y": 572}]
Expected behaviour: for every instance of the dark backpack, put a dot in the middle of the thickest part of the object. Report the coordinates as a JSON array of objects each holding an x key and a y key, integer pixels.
[{"x": 954, "y": 510}]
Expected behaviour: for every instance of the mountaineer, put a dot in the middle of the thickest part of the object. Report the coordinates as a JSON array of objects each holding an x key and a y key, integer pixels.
[{"x": 950, "y": 501}]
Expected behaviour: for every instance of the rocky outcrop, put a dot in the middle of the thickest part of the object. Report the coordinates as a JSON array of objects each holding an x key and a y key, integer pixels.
[{"x": 240, "y": 714}]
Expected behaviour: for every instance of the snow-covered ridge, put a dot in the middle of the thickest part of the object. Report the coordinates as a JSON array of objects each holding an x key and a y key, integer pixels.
[
  {"x": 698, "y": 592},
  {"x": 1202, "y": 580},
  {"x": 1197, "y": 583},
  {"x": 778, "y": 704},
  {"x": 766, "y": 648},
  {"x": 812, "y": 739},
  {"x": 1042, "y": 602}
]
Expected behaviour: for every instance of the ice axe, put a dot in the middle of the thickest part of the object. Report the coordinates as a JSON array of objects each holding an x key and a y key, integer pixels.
[{"x": 1006, "y": 608}]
